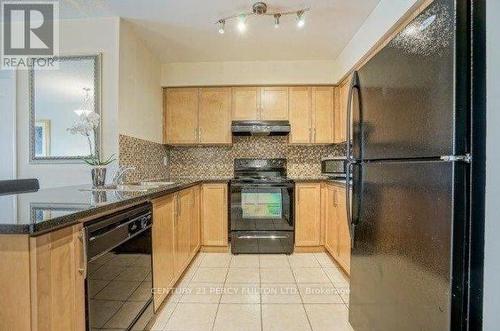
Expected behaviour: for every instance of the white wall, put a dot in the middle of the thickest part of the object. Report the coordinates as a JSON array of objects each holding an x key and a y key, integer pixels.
[
  {"x": 492, "y": 226},
  {"x": 381, "y": 20},
  {"x": 7, "y": 139},
  {"x": 85, "y": 36},
  {"x": 247, "y": 73},
  {"x": 140, "y": 93}
]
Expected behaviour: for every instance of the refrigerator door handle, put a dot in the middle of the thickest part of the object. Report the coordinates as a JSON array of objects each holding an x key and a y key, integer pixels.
[
  {"x": 353, "y": 199},
  {"x": 467, "y": 158},
  {"x": 354, "y": 85}
]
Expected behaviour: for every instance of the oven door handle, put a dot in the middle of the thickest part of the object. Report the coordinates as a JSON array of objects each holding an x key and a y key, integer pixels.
[
  {"x": 263, "y": 236},
  {"x": 245, "y": 185}
]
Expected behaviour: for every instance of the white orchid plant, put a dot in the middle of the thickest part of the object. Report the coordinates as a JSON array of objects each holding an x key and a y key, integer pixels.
[{"x": 87, "y": 125}]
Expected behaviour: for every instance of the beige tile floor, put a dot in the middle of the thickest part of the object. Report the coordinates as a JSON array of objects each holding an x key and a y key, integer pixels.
[{"x": 219, "y": 292}]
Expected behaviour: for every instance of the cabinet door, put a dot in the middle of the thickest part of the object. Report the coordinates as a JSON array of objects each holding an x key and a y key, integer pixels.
[
  {"x": 215, "y": 116},
  {"x": 181, "y": 115},
  {"x": 300, "y": 115},
  {"x": 164, "y": 213},
  {"x": 341, "y": 112},
  {"x": 185, "y": 202},
  {"x": 344, "y": 236},
  {"x": 245, "y": 103},
  {"x": 57, "y": 279},
  {"x": 195, "y": 223},
  {"x": 308, "y": 214},
  {"x": 329, "y": 207},
  {"x": 274, "y": 103},
  {"x": 323, "y": 113},
  {"x": 214, "y": 215}
]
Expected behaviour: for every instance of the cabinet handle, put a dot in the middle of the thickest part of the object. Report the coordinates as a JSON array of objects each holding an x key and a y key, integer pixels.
[
  {"x": 178, "y": 206},
  {"x": 82, "y": 236},
  {"x": 310, "y": 134},
  {"x": 199, "y": 134},
  {"x": 314, "y": 130},
  {"x": 334, "y": 198}
]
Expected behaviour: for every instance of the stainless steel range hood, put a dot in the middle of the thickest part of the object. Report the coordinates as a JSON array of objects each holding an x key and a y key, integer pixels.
[{"x": 260, "y": 128}]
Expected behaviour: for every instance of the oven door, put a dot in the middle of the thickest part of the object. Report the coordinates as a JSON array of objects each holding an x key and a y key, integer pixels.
[
  {"x": 262, "y": 207},
  {"x": 119, "y": 284}
]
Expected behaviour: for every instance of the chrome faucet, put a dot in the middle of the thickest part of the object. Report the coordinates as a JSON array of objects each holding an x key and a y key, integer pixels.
[{"x": 120, "y": 173}]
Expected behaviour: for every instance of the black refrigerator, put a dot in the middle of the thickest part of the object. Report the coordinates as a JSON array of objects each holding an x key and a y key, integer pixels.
[{"x": 409, "y": 164}]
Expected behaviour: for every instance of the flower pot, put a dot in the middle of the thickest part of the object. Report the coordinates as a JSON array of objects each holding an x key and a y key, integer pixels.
[{"x": 98, "y": 176}]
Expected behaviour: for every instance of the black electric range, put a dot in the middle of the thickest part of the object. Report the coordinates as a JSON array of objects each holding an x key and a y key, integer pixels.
[{"x": 261, "y": 218}]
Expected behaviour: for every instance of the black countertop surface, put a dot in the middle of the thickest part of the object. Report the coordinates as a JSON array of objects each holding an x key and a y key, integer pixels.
[{"x": 50, "y": 209}]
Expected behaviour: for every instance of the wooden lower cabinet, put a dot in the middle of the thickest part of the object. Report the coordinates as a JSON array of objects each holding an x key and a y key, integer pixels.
[
  {"x": 164, "y": 214},
  {"x": 344, "y": 241},
  {"x": 337, "y": 235},
  {"x": 214, "y": 214},
  {"x": 195, "y": 231},
  {"x": 182, "y": 228},
  {"x": 42, "y": 281},
  {"x": 307, "y": 214},
  {"x": 176, "y": 225},
  {"x": 57, "y": 280}
]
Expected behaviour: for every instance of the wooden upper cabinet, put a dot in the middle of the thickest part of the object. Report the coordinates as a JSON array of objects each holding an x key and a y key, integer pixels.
[
  {"x": 308, "y": 214},
  {"x": 164, "y": 214},
  {"x": 323, "y": 115},
  {"x": 214, "y": 214},
  {"x": 342, "y": 92},
  {"x": 215, "y": 116},
  {"x": 274, "y": 103},
  {"x": 181, "y": 115},
  {"x": 57, "y": 280},
  {"x": 300, "y": 115},
  {"x": 245, "y": 103}
]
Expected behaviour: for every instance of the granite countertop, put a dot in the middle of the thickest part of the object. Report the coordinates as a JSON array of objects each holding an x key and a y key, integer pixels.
[
  {"x": 50, "y": 209},
  {"x": 310, "y": 179}
]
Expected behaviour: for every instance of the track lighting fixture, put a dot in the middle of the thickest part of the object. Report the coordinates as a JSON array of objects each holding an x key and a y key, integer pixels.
[{"x": 260, "y": 9}]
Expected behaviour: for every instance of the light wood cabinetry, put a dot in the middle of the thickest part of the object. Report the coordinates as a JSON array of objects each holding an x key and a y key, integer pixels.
[
  {"x": 341, "y": 92},
  {"x": 337, "y": 235},
  {"x": 203, "y": 115},
  {"x": 57, "y": 280},
  {"x": 195, "y": 233},
  {"x": 246, "y": 103},
  {"x": 260, "y": 103},
  {"x": 214, "y": 216},
  {"x": 344, "y": 237},
  {"x": 164, "y": 214},
  {"x": 181, "y": 116},
  {"x": 300, "y": 115},
  {"x": 311, "y": 115},
  {"x": 274, "y": 103},
  {"x": 42, "y": 281},
  {"x": 215, "y": 116},
  {"x": 185, "y": 204},
  {"x": 323, "y": 115},
  {"x": 307, "y": 214},
  {"x": 197, "y": 116}
]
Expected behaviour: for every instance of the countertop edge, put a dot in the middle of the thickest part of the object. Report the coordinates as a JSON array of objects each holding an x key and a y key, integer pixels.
[{"x": 35, "y": 230}]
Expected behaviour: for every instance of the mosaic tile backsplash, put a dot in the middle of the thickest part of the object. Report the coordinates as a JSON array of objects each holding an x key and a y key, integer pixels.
[
  {"x": 145, "y": 156},
  {"x": 215, "y": 161}
]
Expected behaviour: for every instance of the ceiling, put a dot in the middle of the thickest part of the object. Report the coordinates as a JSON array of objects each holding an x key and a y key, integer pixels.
[{"x": 185, "y": 30}]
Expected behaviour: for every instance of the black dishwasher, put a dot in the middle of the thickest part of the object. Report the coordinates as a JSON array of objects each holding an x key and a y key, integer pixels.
[{"x": 119, "y": 268}]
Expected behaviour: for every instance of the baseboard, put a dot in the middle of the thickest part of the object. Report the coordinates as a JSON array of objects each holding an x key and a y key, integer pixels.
[
  {"x": 309, "y": 249},
  {"x": 215, "y": 249}
]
